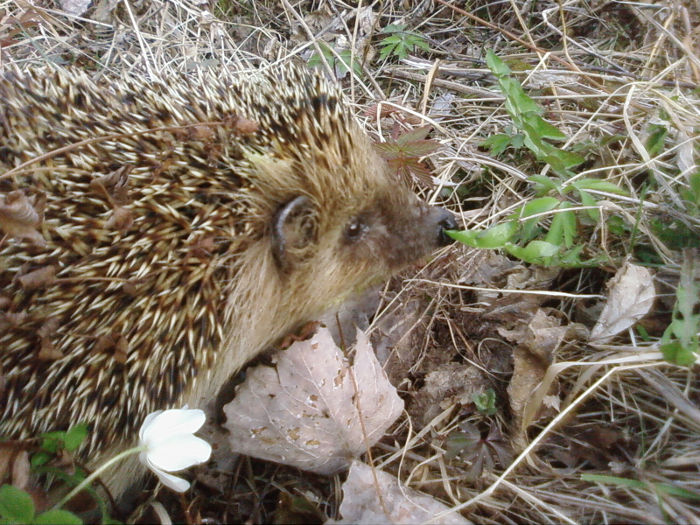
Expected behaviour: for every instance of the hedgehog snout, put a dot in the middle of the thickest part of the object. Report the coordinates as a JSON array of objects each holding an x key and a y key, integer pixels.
[{"x": 444, "y": 220}]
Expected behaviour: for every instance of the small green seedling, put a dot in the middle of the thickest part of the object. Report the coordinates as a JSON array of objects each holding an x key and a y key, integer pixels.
[{"x": 400, "y": 42}]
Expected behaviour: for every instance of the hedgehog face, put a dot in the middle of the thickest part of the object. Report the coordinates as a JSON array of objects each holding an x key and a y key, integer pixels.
[{"x": 366, "y": 237}]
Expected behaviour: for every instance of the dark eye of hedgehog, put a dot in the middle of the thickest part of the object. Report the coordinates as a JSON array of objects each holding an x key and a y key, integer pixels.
[{"x": 356, "y": 229}]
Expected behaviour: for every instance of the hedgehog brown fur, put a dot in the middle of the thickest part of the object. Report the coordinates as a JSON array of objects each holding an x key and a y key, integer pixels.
[{"x": 188, "y": 223}]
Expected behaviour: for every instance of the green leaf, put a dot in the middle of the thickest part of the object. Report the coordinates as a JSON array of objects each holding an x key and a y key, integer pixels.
[
  {"x": 75, "y": 436},
  {"x": 394, "y": 28},
  {"x": 52, "y": 517},
  {"x": 676, "y": 353},
  {"x": 496, "y": 144},
  {"x": 539, "y": 206},
  {"x": 599, "y": 185},
  {"x": 588, "y": 200},
  {"x": 561, "y": 161},
  {"x": 16, "y": 505},
  {"x": 485, "y": 402},
  {"x": 655, "y": 141},
  {"x": 543, "y": 184},
  {"x": 543, "y": 128},
  {"x": 613, "y": 480},
  {"x": 536, "y": 252},
  {"x": 563, "y": 228},
  {"x": 494, "y": 237},
  {"x": 695, "y": 186},
  {"x": 39, "y": 459},
  {"x": 52, "y": 441},
  {"x": 496, "y": 65}
]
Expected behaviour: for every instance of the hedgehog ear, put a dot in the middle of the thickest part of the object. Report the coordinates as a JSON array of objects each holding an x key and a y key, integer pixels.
[{"x": 294, "y": 231}]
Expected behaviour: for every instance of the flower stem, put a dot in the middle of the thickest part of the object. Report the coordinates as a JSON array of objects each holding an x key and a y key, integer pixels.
[{"x": 96, "y": 473}]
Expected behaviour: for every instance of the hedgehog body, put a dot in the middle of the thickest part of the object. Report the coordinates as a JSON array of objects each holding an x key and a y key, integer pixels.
[{"x": 169, "y": 231}]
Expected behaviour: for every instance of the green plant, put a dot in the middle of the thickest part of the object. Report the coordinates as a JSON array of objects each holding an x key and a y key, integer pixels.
[
  {"x": 17, "y": 507},
  {"x": 524, "y": 234},
  {"x": 486, "y": 402},
  {"x": 404, "y": 152},
  {"x": 400, "y": 42},
  {"x": 679, "y": 343},
  {"x": 341, "y": 61}
]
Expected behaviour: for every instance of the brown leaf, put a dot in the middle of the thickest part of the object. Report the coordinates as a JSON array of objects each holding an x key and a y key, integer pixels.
[
  {"x": 538, "y": 345},
  {"x": 20, "y": 216},
  {"x": 121, "y": 220},
  {"x": 245, "y": 126},
  {"x": 47, "y": 351},
  {"x": 114, "y": 186},
  {"x": 121, "y": 350},
  {"x": 304, "y": 412},
  {"x": 41, "y": 278},
  {"x": 631, "y": 297},
  {"x": 379, "y": 497}
]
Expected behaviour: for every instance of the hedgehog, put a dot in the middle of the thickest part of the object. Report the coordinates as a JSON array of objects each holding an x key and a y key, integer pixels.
[{"x": 159, "y": 234}]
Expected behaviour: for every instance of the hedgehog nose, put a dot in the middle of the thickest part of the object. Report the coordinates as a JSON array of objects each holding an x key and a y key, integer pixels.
[{"x": 445, "y": 222}]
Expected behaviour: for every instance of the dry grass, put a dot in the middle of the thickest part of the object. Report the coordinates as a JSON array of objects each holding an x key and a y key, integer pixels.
[{"x": 605, "y": 72}]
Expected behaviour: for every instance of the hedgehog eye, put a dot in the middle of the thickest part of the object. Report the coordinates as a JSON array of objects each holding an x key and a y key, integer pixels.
[{"x": 355, "y": 229}]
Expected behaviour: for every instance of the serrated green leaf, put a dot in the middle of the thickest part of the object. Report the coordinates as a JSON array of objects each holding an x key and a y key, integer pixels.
[
  {"x": 588, "y": 200},
  {"x": 496, "y": 236},
  {"x": 563, "y": 228},
  {"x": 394, "y": 28},
  {"x": 421, "y": 43},
  {"x": 536, "y": 252},
  {"x": 563, "y": 160},
  {"x": 16, "y": 505},
  {"x": 496, "y": 144},
  {"x": 544, "y": 184},
  {"x": 543, "y": 128},
  {"x": 53, "y": 517}
]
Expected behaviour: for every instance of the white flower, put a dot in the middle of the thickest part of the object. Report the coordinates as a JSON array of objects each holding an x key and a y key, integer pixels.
[{"x": 170, "y": 445}]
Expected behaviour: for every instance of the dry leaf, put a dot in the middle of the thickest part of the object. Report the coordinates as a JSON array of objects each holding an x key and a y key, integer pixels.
[
  {"x": 304, "y": 411},
  {"x": 362, "y": 504},
  {"x": 75, "y": 7},
  {"x": 631, "y": 296},
  {"x": 533, "y": 355},
  {"x": 41, "y": 278},
  {"x": 449, "y": 384},
  {"x": 20, "y": 216}
]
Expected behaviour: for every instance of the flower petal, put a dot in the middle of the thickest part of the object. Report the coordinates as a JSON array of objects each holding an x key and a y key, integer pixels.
[
  {"x": 179, "y": 452},
  {"x": 169, "y": 423},
  {"x": 172, "y": 482},
  {"x": 147, "y": 423}
]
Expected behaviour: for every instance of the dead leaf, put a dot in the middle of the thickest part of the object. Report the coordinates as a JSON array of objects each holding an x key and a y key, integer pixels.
[
  {"x": 41, "y": 278},
  {"x": 304, "y": 411},
  {"x": 451, "y": 383},
  {"x": 20, "y": 216},
  {"x": 631, "y": 297},
  {"x": 538, "y": 343},
  {"x": 75, "y": 7},
  {"x": 362, "y": 503}
]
